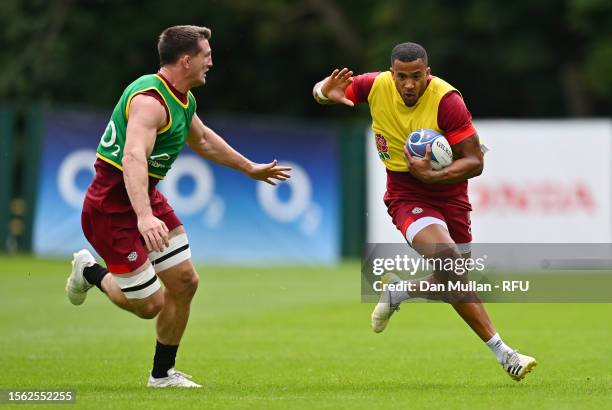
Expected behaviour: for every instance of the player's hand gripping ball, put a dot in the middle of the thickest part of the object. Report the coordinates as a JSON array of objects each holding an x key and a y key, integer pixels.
[{"x": 441, "y": 152}]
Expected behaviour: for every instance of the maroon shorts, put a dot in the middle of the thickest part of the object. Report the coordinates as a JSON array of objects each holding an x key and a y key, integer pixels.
[
  {"x": 412, "y": 215},
  {"x": 414, "y": 205},
  {"x": 115, "y": 236}
]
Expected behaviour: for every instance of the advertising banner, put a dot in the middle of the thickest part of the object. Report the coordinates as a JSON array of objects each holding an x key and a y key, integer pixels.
[
  {"x": 228, "y": 216},
  {"x": 543, "y": 182}
]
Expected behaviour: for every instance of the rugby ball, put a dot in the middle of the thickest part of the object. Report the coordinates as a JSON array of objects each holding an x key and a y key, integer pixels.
[{"x": 441, "y": 152}]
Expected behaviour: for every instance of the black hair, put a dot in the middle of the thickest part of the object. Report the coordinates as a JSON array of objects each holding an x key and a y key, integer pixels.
[{"x": 407, "y": 52}]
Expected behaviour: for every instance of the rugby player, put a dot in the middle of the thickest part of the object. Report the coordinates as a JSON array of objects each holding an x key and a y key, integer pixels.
[
  {"x": 128, "y": 221},
  {"x": 430, "y": 207}
]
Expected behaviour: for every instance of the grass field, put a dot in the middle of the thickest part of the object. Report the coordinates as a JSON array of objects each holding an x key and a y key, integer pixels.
[{"x": 295, "y": 338}]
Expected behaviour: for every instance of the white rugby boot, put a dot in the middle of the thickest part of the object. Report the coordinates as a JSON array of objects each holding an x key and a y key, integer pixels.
[
  {"x": 175, "y": 379},
  {"x": 76, "y": 285},
  {"x": 518, "y": 365},
  {"x": 386, "y": 307}
]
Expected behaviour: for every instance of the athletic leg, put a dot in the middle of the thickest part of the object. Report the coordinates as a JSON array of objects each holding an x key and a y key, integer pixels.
[
  {"x": 426, "y": 228},
  {"x": 181, "y": 282},
  {"x": 132, "y": 284},
  {"x": 435, "y": 241},
  {"x": 137, "y": 292},
  {"x": 133, "y": 295},
  {"x": 175, "y": 268}
]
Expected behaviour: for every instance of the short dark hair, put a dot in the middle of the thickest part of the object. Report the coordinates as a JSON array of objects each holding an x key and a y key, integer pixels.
[
  {"x": 407, "y": 52},
  {"x": 178, "y": 40}
]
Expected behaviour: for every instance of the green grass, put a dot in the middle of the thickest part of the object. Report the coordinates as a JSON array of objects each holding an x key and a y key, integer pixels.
[{"x": 295, "y": 338}]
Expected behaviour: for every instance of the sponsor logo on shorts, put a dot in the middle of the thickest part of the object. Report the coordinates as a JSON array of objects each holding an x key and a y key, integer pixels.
[
  {"x": 132, "y": 256},
  {"x": 417, "y": 210}
]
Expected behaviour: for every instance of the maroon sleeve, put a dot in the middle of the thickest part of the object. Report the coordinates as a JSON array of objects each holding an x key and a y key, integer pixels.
[
  {"x": 359, "y": 89},
  {"x": 454, "y": 118}
]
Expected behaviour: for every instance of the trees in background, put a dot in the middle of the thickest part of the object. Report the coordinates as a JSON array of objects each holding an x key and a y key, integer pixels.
[{"x": 546, "y": 58}]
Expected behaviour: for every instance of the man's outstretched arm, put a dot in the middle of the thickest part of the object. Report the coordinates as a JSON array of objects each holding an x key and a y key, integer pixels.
[
  {"x": 332, "y": 89},
  {"x": 208, "y": 144}
]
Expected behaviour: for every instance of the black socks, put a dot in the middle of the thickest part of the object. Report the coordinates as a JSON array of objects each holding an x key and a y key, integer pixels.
[
  {"x": 163, "y": 359},
  {"x": 94, "y": 275}
]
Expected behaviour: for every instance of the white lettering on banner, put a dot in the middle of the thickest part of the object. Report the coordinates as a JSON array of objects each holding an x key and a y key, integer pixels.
[
  {"x": 204, "y": 184},
  {"x": 299, "y": 203},
  {"x": 299, "y": 199},
  {"x": 533, "y": 197},
  {"x": 73, "y": 163}
]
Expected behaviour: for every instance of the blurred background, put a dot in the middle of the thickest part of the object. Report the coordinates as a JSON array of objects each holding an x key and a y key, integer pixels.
[{"x": 65, "y": 63}]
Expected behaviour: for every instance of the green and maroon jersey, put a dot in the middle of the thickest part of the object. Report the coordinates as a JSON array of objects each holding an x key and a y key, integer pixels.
[{"x": 170, "y": 139}]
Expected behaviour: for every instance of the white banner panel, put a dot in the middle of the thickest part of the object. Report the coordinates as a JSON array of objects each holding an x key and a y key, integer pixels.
[{"x": 544, "y": 182}]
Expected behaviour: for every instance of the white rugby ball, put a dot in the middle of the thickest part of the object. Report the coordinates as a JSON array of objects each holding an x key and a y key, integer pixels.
[{"x": 441, "y": 152}]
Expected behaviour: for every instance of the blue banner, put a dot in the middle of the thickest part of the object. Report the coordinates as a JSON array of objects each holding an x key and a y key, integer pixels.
[{"x": 229, "y": 217}]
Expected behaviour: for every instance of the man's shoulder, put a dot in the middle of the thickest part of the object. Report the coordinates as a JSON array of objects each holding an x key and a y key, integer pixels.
[
  {"x": 450, "y": 97},
  {"x": 362, "y": 85},
  {"x": 146, "y": 92},
  {"x": 149, "y": 100},
  {"x": 440, "y": 86},
  {"x": 378, "y": 76},
  {"x": 366, "y": 79},
  {"x": 147, "y": 81}
]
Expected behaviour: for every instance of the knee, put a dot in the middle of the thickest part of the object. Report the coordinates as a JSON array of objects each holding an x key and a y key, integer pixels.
[
  {"x": 149, "y": 310},
  {"x": 446, "y": 251},
  {"x": 187, "y": 282},
  {"x": 449, "y": 269},
  {"x": 193, "y": 282},
  {"x": 456, "y": 297}
]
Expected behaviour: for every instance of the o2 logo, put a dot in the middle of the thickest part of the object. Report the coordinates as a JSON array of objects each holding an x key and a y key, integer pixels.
[
  {"x": 200, "y": 197},
  {"x": 72, "y": 188},
  {"x": 74, "y": 164},
  {"x": 299, "y": 205}
]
